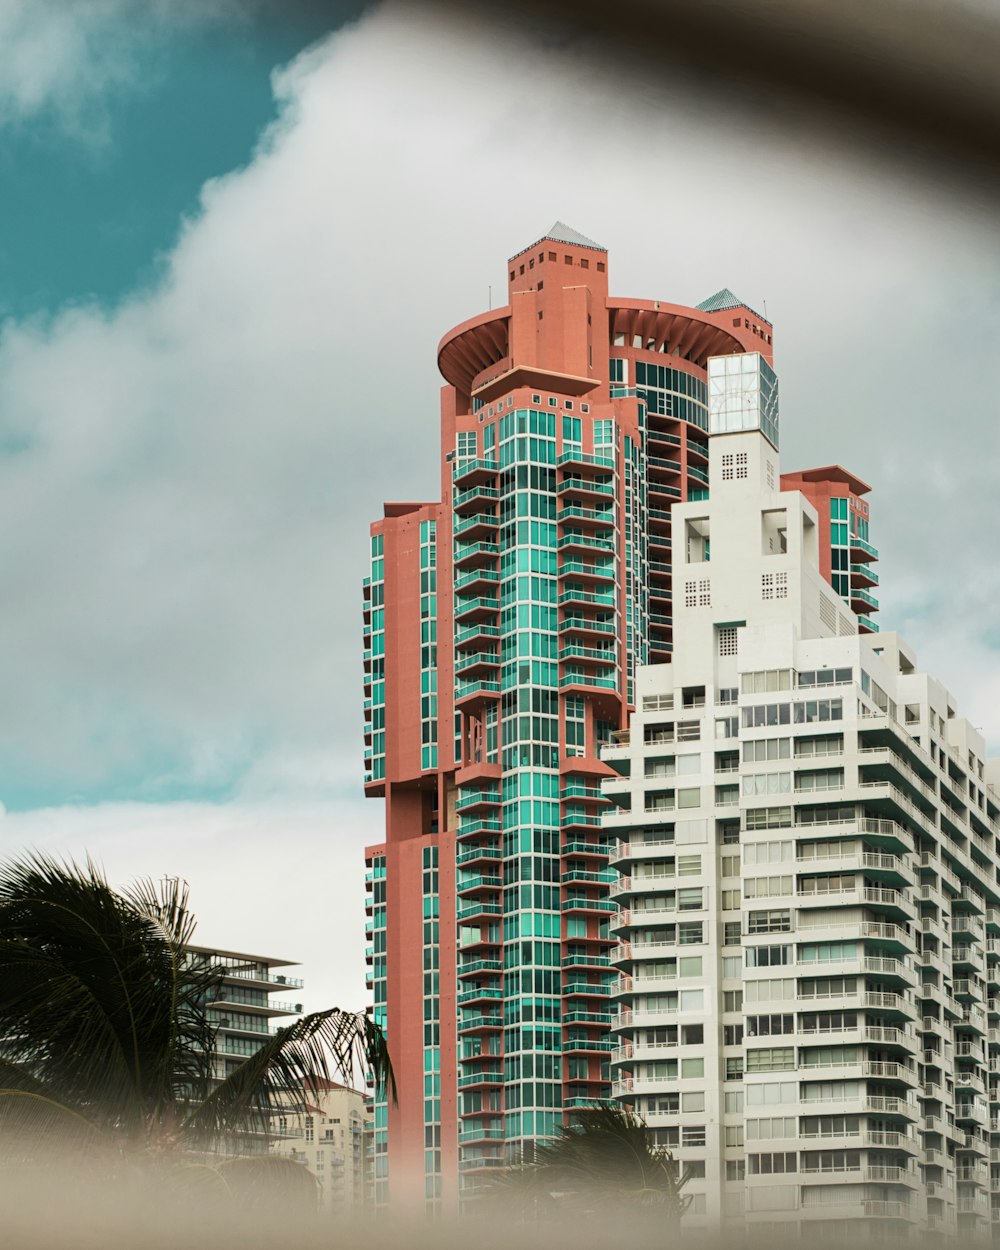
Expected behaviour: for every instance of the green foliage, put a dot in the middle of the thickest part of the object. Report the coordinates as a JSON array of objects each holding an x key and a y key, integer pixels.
[
  {"x": 605, "y": 1160},
  {"x": 105, "y": 1044}
]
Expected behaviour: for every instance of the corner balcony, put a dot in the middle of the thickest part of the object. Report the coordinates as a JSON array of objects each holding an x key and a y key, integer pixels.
[
  {"x": 475, "y": 498},
  {"x": 477, "y": 884},
  {"x": 476, "y": 664},
  {"x": 587, "y": 489},
  {"x": 862, "y": 602},
  {"x": 480, "y": 525},
  {"x": 478, "y": 968},
  {"x": 475, "y": 634},
  {"x": 468, "y": 554},
  {"x": 488, "y": 994},
  {"x": 579, "y": 570},
  {"x": 863, "y": 575},
  {"x": 476, "y": 690},
  {"x": 580, "y": 596},
  {"x": 603, "y": 627},
  {"x": 581, "y": 518},
  {"x": 480, "y": 1024},
  {"x": 861, "y": 550},
  {"x": 478, "y": 609},
  {"x": 584, "y": 462},
  {"x": 583, "y": 849},
  {"x": 588, "y": 655},
  {"x": 472, "y": 472},
  {"x": 477, "y": 800},
  {"x": 479, "y": 581},
  {"x": 586, "y": 543}
]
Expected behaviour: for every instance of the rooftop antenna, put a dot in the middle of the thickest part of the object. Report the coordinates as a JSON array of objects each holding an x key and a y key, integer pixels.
[{"x": 491, "y": 297}]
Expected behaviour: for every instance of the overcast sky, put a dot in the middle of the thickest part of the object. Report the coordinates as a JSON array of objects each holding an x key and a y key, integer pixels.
[{"x": 228, "y": 248}]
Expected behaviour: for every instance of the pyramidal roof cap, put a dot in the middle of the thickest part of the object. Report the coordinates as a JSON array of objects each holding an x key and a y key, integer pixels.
[
  {"x": 561, "y": 233},
  {"x": 725, "y": 299}
]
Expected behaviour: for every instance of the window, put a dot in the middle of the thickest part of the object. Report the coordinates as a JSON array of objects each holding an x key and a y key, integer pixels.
[
  {"x": 734, "y": 1068},
  {"x": 762, "y": 715},
  {"x": 693, "y": 1135},
  {"x": 767, "y": 783},
  {"x": 760, "y": 750},
  {"x": 771, "y": 1127},
  {"x": 773, "y": 920},
  {"x": 732, "y": 1000},
  {"x": 730, "y": 865},
  {"x": 766, "y": 681},
  {"x": 772, "y": 1094},
  {"x": 771, "y": 1059},
  {"x": 770, "y": 1025},
  {"x": 772, "y": 1165},
  {"x": 731, "y": 933},
  {"x": 766, "y": 887},
  {"x": 730, "y": 900},
  {"x": 768, "y": 956},
  {"x": 732, "y": 1035},
  {"x": 759, "y": 853},
  {"x": 735, "y": 1168},
  {"x": 732, "y": 967}
]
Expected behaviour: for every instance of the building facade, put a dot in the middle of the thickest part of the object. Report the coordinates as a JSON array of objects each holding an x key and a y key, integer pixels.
[
  {"x": 245, "y": 1005},
  {"x": 807, "y": 837},
  {"x": 329, "y": 1133},
  {"x": 504, "y": 624}
]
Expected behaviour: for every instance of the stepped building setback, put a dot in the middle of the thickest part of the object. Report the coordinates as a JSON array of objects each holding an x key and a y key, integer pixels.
[
  {"x": 807, "y": 1005},
  {"x": 505, "y": 626}
]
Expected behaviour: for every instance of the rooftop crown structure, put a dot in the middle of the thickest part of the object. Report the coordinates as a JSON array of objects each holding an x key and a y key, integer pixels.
[{"x": 504, "y": 626}]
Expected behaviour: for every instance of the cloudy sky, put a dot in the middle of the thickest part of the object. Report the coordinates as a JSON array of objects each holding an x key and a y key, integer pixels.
[{"x": 229, "y": 245}]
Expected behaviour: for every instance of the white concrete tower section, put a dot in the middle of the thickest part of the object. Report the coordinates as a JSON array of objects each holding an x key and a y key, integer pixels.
[{"x": 808, "y": 1002}]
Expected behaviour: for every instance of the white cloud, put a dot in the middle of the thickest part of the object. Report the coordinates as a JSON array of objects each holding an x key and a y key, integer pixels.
[
  {"x": 186, "y": 517},
  {"x": 64, "y": 60}
]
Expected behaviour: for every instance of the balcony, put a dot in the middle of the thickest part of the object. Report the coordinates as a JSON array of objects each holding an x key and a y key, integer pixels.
[
  {"x": 482, "y": 579},
  {"x": 577, "y": 569},
  {"x": 588, "y": 681},
  {"x": 579, "y": 540},
  {"x": 479, "y": 525},
  {"x": 591, "y": 655},
  {"x": 476, "y": 609},
  {"x": 600, "y": 464},
  {"x": 579, "y": 596},
  {"x": 477, "y": 855},
  {"x": 473, "y": 691},
  {"x": 861, "y": 550},
  {"x": 603, "y": 628},
  {"x": 475, "y": 553},
  {"x": 862, "y": 602},
  {"x": 863, "y": 575},
  {"x": 478, "y": 883},
  {"x": 586, "y": 518},
  {"x": 467, "y": 501},
  {"x": 585, "y": 488},
  {"x": 469, "y": 472},
  {"x": 476, "y": 664},
  {"x": 473, "y": 828},
  {"x": 478, "y": 632},
  {"x": 471, "y": 800}
]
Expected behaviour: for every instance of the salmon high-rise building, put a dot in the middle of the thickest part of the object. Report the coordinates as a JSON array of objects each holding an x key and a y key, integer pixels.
[{"x": 504, "y": 625}]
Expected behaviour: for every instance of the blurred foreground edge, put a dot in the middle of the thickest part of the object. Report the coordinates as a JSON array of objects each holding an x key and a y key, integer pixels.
[{"x": 911, "y": 73}]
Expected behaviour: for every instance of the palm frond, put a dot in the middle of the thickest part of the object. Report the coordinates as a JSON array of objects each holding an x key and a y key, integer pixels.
[
  {"x": 326, "y": 1044},
  {"x": 35, "y": 1129}
]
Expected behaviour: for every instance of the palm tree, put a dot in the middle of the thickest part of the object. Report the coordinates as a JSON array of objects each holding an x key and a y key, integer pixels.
[
  {"x": 105, "y": 1042},
  {"x": 603, "y": 1164}
]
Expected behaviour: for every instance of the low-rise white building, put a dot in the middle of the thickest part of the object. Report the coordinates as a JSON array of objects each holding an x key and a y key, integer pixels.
[
  {"x": 329, "y": 1133},
  {"x": 808, "y": 1001}
]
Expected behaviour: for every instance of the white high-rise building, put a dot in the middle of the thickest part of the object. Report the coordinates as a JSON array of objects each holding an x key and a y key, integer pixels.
[{"x": 808, "y": 1005}]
